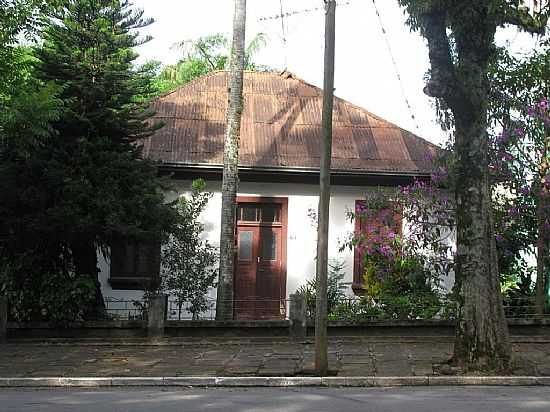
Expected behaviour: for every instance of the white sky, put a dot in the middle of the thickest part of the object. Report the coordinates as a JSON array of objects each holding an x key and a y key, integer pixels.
[{"x": 364, "y": 72}]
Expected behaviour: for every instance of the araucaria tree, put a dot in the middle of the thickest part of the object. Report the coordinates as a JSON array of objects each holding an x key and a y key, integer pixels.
[
  {"x": 84, "y": 184},
  {"x": 224, "y": 304},
  {"x": 460, "y": 36}
]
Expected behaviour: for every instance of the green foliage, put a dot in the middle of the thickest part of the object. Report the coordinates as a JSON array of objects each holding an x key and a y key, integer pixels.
[
  {"x": 335, "y": 288},
  {"x": 389, "y": 307},
  {"x": 189, "y": 262},
  {"x": 202, "y": 56},
  {"x": 57, "y": 296},
  {"x": 28, "y": 108},
  {"x": 402, "y": 273},
  {"x": 72, "y": 175},
  {"x": 520, "y": 156}
]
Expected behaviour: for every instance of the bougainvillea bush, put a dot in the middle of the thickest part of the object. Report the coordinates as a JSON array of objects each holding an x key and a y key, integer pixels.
[
  {"x": 521, "y": 154},
  {"x": 406, "y": 252}
]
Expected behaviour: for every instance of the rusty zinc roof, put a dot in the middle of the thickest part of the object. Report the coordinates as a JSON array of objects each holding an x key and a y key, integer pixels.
[{"x": 281, "y": 128}]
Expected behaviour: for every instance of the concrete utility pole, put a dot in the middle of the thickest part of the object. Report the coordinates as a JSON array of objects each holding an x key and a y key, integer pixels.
[
  {"x": 224, "y": 301},
  {"x": 321, "y": 342}
]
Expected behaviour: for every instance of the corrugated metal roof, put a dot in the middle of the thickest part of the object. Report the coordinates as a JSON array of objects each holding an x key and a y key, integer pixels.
[{"x": 281, "y": 127}]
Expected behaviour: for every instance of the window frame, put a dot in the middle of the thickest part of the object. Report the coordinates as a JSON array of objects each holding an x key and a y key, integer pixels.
[{"x": 135, "y": 280}]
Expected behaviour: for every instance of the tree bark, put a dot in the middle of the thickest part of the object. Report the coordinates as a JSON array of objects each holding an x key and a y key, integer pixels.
[
  {"x": 482, "y": 340},
  {"x": 85, "y": 260},
  {"x": 541, "y": 285},
  {"x": 541, "y": 254},
  {"x": 224, "y": 303},
  {"x": 321, "y": 341}
]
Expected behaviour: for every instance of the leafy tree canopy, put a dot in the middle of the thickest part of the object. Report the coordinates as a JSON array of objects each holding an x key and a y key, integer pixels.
[
  {"x": 205, "y": 55},
  {"x": 84, "y": 182}
]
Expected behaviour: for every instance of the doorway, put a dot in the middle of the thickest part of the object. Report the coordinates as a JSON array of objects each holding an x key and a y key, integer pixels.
[{"x": 260, "y": 267}]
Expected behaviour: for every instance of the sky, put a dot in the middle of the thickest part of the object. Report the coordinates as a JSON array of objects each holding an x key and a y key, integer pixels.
[{"x": 364, "y": 72}]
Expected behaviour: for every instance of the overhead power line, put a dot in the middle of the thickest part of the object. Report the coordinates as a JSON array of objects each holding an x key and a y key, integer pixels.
[
  {"x": 395, "y": 66},
  {"x": 283, "y": 32},
  {"x": 303, "y": 11}
]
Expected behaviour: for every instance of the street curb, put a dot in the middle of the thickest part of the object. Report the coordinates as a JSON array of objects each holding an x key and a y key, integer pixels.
[{"x": 274, "y": 382}]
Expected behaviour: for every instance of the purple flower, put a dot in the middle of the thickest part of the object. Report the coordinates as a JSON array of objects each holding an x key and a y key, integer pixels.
[
  {"x": 520, "y": 132},
  {"x": 507, "y": 156},
  {"x": 525, "y": 190},
  {"x": 503, "y": 137},
  {"x": 513, "y": 211},
  {"x": 499, "y": 238},
  {"x": 386, "y": 251},
  {"x": 543, "y": 104}
]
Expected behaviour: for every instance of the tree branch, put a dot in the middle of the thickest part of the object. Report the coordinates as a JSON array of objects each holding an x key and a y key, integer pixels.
[
  {"x": 521, "y": 17},
  {"x": 442, "y": 83},
  {"x": 205, "y": 54}
]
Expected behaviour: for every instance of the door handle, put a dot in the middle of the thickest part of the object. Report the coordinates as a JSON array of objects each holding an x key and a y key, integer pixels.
[{"x": 258, "y": 259}]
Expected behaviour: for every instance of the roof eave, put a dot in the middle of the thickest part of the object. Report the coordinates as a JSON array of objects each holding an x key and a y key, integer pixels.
[{"x": 167, "y": 166}]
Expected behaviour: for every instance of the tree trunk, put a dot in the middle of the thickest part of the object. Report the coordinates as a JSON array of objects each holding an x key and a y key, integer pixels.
[
  {"x": 459, "y": 76},
  {"x": 224, "y": 303},
  {"x": 541, "y": 287},
  {"x": 85, "y": 261},
  {"x": 321, "y": 342},
  {"x": 482, "y": 340}
]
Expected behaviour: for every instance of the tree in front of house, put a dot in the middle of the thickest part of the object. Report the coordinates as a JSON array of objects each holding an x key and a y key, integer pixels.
[
  {"x": 230, "y": 180},
  {"x": 461, "y": 43},
  {"x": 189, "y": 262},
  {"x": 521, "y": 156},
  {"x": 205, "y": 55},
  {"x": 27, "y": 109},
  {"x": 85, "y": 184}
]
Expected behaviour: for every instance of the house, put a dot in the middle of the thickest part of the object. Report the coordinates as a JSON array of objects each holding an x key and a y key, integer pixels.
[{"x": 279, "y": 165}]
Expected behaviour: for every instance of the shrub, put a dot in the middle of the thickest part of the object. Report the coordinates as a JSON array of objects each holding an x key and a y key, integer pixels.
[
  {"x": 189, "y": 263},
  {"x": 335, "y": 288},
  {"x": 56, "y": 296}
]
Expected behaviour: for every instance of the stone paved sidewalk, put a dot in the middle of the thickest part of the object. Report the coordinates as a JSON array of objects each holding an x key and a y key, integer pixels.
[{"x": 247, "y": 357}]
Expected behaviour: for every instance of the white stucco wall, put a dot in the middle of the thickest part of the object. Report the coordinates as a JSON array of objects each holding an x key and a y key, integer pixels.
[{"x": 302, "y": 235}]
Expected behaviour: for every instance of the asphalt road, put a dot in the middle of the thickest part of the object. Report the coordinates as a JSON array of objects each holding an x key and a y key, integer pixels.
[{"x": 446, "y": 399}]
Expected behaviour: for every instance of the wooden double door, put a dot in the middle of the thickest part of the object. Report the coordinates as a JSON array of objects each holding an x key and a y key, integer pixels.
[{"x": 260, "y": 269}]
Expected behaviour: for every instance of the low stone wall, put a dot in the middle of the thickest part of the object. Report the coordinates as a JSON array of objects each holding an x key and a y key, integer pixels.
[
  {"x": 77, "y": 330},
  {"x": 297, "y": 327},
  {"x": 238, "y": 328},
  {"x": 259, "y": 328}
]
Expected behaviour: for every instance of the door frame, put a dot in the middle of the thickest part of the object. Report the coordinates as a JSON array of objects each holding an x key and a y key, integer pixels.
[{"x": 283, "y": 201}]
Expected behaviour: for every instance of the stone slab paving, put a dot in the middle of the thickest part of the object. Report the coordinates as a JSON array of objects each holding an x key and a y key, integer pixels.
[{"x": 247, "y": 357}]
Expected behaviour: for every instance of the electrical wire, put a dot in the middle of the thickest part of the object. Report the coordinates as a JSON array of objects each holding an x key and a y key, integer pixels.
[
  {"x": 283, "y": 31},
  {"x": 395, "y": 65},
  {"x": 303, "y": 11}
]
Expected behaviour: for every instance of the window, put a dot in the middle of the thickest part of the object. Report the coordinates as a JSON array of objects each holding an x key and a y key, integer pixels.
[
  {"x": 367, "y": 224},
  {"x": 269, "y": 245},
  {"x": 135, "y": 264},
  {"x": 245, "y": 245},
  {"x": 259, "y": 213}
]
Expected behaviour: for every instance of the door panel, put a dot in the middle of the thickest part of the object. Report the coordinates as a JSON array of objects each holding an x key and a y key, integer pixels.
[
  {"x": 246, "y": 268},
  {"x": 268, "y": 278}
]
